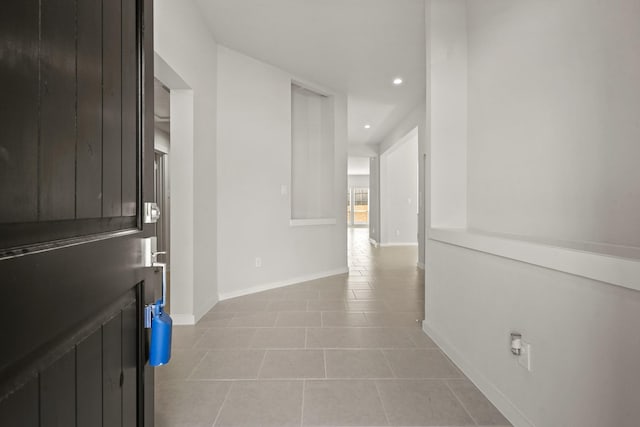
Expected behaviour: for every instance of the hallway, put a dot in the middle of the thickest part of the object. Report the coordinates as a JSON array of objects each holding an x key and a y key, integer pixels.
[{"x": 341, "y": 351}]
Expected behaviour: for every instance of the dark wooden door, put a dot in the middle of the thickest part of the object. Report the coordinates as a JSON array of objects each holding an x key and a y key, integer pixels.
[{"x": 76, "y": 165}]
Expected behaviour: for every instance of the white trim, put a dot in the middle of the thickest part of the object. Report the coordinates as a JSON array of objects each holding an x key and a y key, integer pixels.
[
  {"x": 279, "y": 284},
  {"x": 421, "y": 265},
  {"x": 490, "y": 390},
  {"x": 183, "y": 319},
  {"x": 374, "y": 243},
  {"x": 314, "y": 221},
  {"x": 398, "y": 244},
  {"x": 618, "y": 265}
]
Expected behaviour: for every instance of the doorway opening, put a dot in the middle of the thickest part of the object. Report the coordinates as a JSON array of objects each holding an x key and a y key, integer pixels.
[
  {"x": 162, "y": 139},
  {"x": 358, "y": 192}
]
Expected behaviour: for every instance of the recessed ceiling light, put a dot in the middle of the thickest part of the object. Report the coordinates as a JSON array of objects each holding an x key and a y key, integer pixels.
[
  {"x": 397, "y": 81},
  {"x": 367, "y": 126}
]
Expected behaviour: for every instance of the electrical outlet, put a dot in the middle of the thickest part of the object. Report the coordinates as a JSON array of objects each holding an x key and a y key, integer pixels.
[
  {"x": 258, "y": 262},
  {"x": 524, "y": 359},
  {"x": 398, "y": 233}
]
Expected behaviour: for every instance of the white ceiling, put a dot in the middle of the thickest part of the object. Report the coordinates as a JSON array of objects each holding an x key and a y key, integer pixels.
[{"x": 353, "y": 46}]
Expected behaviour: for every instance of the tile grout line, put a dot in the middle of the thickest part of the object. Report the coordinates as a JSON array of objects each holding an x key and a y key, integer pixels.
[
  {"x": 264, "y": 356},
  {"x": 384, "y": 410},
  {"x": 388, "y": 363},
  {"x": 222, "y": 405},
  {"x": 197, "y": 365},
  {"x": 304, "y": 386},
  {"x": 446, "y": 383},
  {"x": 324, "y": 357}
]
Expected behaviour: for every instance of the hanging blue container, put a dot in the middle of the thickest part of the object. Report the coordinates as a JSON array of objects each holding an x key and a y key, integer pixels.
[{"x": 160, "y": 345}]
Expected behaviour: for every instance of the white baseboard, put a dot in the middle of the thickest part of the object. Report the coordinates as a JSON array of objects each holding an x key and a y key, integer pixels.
[
  {"x": 421, "y": 265},
  {"x": 384, "y": 245},
  {"x": 495, "y": 396},
  {"x": 374, "y": 243},
  {"x": 279, "y": 284},
  {"x": 183, "y": 319}
]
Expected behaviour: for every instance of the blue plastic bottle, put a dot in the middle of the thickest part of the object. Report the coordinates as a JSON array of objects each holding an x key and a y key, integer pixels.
[{"x": 160, "y": 346}]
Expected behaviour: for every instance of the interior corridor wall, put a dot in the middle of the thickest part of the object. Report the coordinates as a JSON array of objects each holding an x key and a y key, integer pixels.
[
  {"x": 374, "y": 199},
  {"x": 553, "y": 100},
  {"x": 183, "y": 41},
  {"x": 415, "y": 119},
  {"x": 254, "y": 174},
  {"x": 399, "y": 192}
]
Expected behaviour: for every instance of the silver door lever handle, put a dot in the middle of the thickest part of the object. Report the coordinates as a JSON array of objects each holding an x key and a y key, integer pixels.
[{"x": 154, "y": 256}]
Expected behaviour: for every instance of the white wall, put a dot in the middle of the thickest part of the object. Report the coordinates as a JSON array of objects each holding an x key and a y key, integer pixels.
[
  {"x": 184, "y": 44},
  {"x": 553, "y": 100},
  {"x": 447, "y": 64},
  {"x": 415, "y": 119},
  {"x": 254, "y": 149},
  {"x": 374, "y": 199},
  {"x": 561, "y": 136},
  {"x": 399, "y": 192}
]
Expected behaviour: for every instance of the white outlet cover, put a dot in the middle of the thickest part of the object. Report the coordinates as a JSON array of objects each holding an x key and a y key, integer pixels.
[
  {"x": 524, "y": 359},
  {"x": 284, "y": 190}
]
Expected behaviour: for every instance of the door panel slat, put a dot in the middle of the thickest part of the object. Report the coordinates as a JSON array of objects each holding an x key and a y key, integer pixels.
[
  {"x": 112, "y": 107},
  {"x": 19, "y": 112},
  {"x": 111, "y": 370},
  {"x": 89, "y": 380},
  {"x": 129, "y": 109},
  {"x": 58, "y": 393},
  {"x": 21, "y": 408},
  {"x": 57, "y": 111},
  {"x": 89, "y": 144}
]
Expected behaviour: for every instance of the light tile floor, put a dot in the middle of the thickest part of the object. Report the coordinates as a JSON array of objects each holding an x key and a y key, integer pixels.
[{"x": 342, "y": 351}]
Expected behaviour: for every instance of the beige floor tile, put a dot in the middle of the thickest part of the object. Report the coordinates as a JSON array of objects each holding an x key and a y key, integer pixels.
[
  {"x": 384, "y": 338},
  {"x": 215, "y": 319},
  {"x": 420, "y": 339},
  {"x": 301, "y": 294},
  {"x": 367, "y": 305},
  {"x": 189, "y": 403},
  {"x": 185, "y": 336},
  {"x": 405, "y": 305},
  {"x": 242, "y": 306},
  {"x": 260, "y": 320},
  {"x": 357, "y": 364},
  {"x": 342, "y": 403},
  {"x": 182, "y": 363},
  {"x": 299, "y": 319},
  {"x": 262, "y": 403},
  {"x": 219, "y": 338},
  {"x": 326, "y": 305},
  {"x": 338, "y": 318},
  {"x": 392, "y": 319},
  {"x": 478, "y": 406},
  {"x": 340, "y": 294},
  {"x": 287, "y": 305},
  {"x": 279, "y": 338},
  {"x": 421, "y": 363},
  {"x": 358, "y": 330},
  {"x": 421, "y": 403},
  {"x": 333, "y": 338},
  {"x": 229, "y": 364},
  {"x": 290, "y": 364}
]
